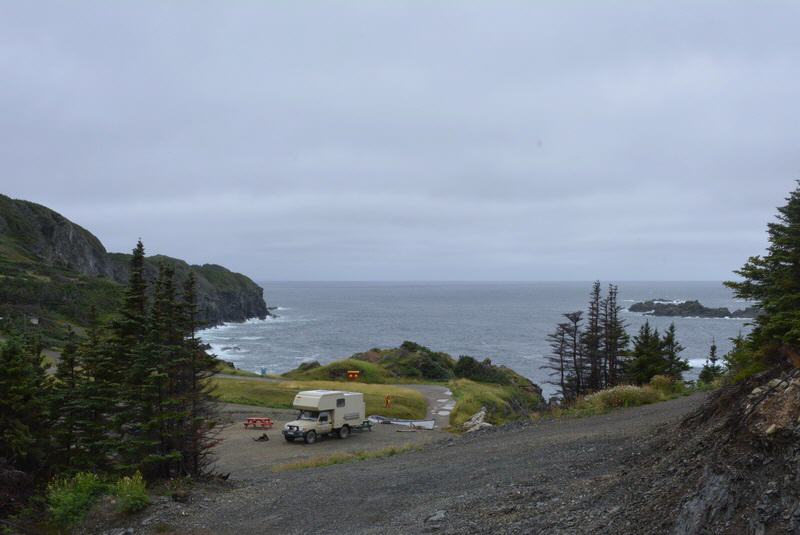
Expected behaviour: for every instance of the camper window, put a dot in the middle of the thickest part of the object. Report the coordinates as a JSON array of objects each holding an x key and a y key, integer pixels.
[{"x": 340, "y": 402}]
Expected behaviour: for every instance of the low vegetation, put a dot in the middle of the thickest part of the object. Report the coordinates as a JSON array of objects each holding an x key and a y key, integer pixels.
[
  {"x": 348, "y": 457},
  {"x": 70, "y": 498},
  {"x": 504, "y": 403},
  {"x": 406, "y": 403},
  {"x": 131, "y": 493},
  {"x": 337, "y": 371},
  {"x": 475, "y": 383},
  {"x": 660, "y": 388}
]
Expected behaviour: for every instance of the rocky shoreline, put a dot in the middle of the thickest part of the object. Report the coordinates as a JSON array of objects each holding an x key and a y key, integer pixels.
[{"x": 689, "y": 309}]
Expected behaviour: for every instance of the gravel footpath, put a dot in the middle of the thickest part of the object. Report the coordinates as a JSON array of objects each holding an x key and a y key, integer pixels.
[{"x": 523, "y": 478}]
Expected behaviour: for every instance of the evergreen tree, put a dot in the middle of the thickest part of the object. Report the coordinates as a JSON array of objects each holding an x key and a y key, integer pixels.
[
  {"x": 674, "y": 365},
  {"x": 198, "y": 367},
  {"x": 646, "y": 359},
  {"x": 573, "y": 333},
  {"x": 615, "y": 338},
  {"x": 154, "y": 443},
  {"x": 98, "y": 392},
  {"x": 591, "y": 340},
  {"x": 711, "y": 369},
  {"x": 24, "y": 418},
  {"x": 66, "y": 403},
  {"x": 773, "y": 282},
  {"x": 132, "y": 359},
  {"x": 559, "y": 362}
]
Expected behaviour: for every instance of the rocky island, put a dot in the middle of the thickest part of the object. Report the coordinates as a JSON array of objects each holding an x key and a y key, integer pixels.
[{"x": 689, "y": 309}]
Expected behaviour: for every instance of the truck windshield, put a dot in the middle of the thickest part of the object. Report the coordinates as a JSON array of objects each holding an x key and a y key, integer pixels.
[{"x": 307, "y": 415}]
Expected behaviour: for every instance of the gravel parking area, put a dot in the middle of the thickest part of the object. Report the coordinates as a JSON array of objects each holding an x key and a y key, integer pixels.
[{"x": 244, "y": 458}]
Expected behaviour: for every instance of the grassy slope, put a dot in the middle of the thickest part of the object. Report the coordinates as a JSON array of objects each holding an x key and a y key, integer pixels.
[
  {"x": 506, "y": 394},
  {"x": 406, "y": 403}
]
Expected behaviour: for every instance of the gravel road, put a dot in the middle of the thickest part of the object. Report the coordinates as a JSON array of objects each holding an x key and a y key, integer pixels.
[{"x": 524, "y": 478}]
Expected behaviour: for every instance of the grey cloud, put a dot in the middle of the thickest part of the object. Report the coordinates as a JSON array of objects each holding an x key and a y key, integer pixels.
[{"x": 408, "y": 140}]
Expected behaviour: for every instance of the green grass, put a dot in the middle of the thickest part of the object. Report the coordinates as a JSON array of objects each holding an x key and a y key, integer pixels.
[
  {"x": 348, "y": 457},
  {"x": 69, "y": 499},
  {"x": 406, "y": 403},
  {"x": 131, "y": 493},
  {"x": 661, "y": 388},
  {"x": 227, "y": 369},
  {"x": 504, "y": 403},
  {"x": 337, "y": 371}
]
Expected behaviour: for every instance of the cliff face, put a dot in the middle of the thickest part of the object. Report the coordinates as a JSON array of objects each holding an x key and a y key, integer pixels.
[
  {"x": 51, "y": 238},
  {"x": 35, "y": 238},
  {"x": 222, "y": 295}
]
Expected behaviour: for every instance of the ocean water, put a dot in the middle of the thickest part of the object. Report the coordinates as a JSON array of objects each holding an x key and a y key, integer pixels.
[{"x": 505, "y": 321}]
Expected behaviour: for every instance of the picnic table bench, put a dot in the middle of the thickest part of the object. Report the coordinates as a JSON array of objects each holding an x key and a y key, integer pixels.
[{"x": 258, "y": 423}]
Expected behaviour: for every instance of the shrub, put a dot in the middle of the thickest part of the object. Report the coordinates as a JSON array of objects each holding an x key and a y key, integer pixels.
[
  {"x": 663, "y": 384},
  {"x": 469, "y": 368},
  {"x": 68, "y": 499},
  {"x": 617, "y": 397},
  {"x": 131, "y": 493}
]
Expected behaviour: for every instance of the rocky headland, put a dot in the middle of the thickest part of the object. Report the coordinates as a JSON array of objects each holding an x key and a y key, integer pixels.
[{"x": 59, "y": 270}]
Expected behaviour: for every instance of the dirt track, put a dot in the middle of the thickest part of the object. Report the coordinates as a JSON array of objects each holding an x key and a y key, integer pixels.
[{"x": 533, "y": 478}]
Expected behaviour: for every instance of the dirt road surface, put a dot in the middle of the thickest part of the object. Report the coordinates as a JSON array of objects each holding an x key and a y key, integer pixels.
[{"x": 524, "y": 478}]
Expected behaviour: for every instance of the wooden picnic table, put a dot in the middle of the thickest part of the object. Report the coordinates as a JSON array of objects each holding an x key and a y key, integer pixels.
[{"x": 258, "y": 423}]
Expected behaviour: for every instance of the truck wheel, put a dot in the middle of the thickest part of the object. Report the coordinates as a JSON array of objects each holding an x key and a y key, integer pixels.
[
  {"x": 310, "y": 437},
  {"x": 344, "y": 432},
  {"x": 289, "y": 439}
]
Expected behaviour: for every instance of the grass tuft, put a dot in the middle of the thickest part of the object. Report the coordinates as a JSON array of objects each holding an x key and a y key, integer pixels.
[{"x": 131, "y": 493}]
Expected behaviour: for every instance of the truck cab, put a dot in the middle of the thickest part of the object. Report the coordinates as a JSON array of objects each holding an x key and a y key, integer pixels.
[{"x": 324, "y": 412}]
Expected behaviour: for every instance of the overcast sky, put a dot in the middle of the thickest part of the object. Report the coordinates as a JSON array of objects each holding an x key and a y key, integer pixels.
[{"x": 409, "y": 140}]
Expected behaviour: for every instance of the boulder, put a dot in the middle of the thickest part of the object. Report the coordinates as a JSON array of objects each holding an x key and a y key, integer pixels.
[{"x": 477, "y": 421}]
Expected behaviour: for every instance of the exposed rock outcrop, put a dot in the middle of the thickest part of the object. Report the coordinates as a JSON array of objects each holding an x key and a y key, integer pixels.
[
  {"x": 477, "y": 422},
  {"x": 32, "y": 235},
  {"x": 693, "y": 309}
]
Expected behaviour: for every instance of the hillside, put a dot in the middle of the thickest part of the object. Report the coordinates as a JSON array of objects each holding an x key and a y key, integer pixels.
[
  {"x": 55, "y": 270},
  {"x": 506, "y": 394}
]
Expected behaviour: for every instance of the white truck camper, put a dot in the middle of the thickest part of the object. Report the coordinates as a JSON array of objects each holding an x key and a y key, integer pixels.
[{"x": 324, "y": 412}]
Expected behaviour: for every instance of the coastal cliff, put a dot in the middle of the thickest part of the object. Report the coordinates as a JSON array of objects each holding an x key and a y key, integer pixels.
[{"x": 55, "y": 268}]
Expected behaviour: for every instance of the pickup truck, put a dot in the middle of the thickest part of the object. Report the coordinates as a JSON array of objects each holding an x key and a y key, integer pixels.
[{"x": 324, "y": 412}]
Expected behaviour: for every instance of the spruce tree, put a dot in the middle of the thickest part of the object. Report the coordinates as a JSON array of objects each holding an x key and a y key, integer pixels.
[
  {"x": 615, "y": 338},
  {"x": 67, "y": 407},
  {"x": 558, "y": 362},
  {"x": 132, "y": 360},
  {"x": 674, "y": 365},
  {"x": 711, "y": 369},
  {"x": 592, "y": 340},
  {"x": 573, "y": 332},
  {"x": 773, "y": 282},
  {"x": 646, "y": 358},
  {"x": 96, "y": 436},
  {"x": 199, "y": 433},
  {"x": 24, "y": 415},
  {"x": 154, "y": 445}
]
